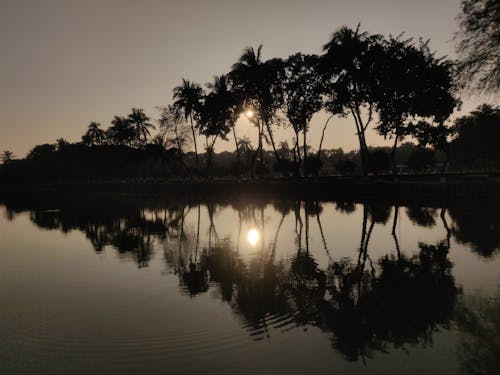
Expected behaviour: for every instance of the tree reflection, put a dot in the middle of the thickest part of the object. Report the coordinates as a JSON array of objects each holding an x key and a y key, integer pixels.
[
  {"x": 477, "y": 227},
  {"x": 398, "y": 300},
  {"x": 478, "y": 320},
  {"x": 366, "y": 303}
]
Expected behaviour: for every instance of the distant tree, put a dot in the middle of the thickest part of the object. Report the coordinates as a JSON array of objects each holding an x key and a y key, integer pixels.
[
  {"x": 174, "y": 131},
  {"x": 434, "y": 135},
  {"x": 41, "y": 151},
  {"x": 379, "y": 161},
  {"x": 94, "y": 135},
  {"x": 302, "y": 87},
  {"x": 478, "y": 45},
  {"x": 351, "y": 66},
  {"x": 421, "y": 159},
  {"x": 345, "y": 166},
  {"x": 61, "y": 143},
  {"x": 187, "y": 98},
  {"x": 246, "y": 151},
  {"x": 6, "y": 156},
  {"x": 478, "y": 134},
  {"x": 141, "y": 125},
  {"x": 121, "y": 132}
]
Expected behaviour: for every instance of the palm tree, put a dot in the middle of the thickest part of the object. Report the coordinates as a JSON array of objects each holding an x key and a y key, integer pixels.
[
  {"x": 142, "y": 127},
  {"x": 350, "y": 65},
  {"x": 6, "y": 156},
  {"x": 256, "y": 81},
  {"x": 94, "y": 135},
  {"x": 188, "y": 98},
  {"x": 121, "y": 132}
]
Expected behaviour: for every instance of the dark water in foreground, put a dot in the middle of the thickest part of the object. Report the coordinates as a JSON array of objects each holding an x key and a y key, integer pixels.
[{"x": 122, "y": 284}]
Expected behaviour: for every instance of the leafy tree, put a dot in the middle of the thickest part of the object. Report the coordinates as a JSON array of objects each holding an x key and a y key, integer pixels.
[
  {"x": 478, "y": 134},
  {"x": 414, "y": 84},
  {"x": 230, "y": 103},
  {"x": 94, "y": 135},
  {"x": 429, "y": 134},
  {"x": 188, "y": 98},
  {"x": 478, "y": 41},
  {"x": 142, "y": 127},
  {"x": 351, "y": 66},
  {"x": 215, "y": 120},
  {"x": 302, "y": 87}
]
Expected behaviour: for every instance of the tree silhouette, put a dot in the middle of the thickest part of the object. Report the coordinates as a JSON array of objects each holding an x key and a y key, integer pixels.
[
  {"x": 258, "y": 86},
  {"x": 173, "y": 131},
  {"x": 350, "y": 66},
  {"x": 413, "y": 84},
  {"x": 215, "y": 119},
  {"x": 6, "y": 156},
  {"x": 302, "y": 88},
  {"x": 187, "y": 98},
  {"x": 478, "y": 39},
  {"x": 230, "y": 106},
  {"x": 477, "y": 136},
  {"x": 142, "y": 127},
  {"x": 121, "y": 132},
  {"x": 94, "y": 135}
]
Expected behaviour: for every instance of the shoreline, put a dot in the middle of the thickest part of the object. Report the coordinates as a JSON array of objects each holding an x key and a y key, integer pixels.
[{"x": 350, "y": 189}]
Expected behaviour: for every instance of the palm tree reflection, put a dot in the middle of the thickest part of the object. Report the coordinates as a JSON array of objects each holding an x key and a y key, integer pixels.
[{"x": 365, "y": 303}]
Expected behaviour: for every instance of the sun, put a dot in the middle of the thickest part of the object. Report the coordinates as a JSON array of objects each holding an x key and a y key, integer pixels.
[
  {"x": 249, "y": 113},
  {"x": 253, "y": 236}
]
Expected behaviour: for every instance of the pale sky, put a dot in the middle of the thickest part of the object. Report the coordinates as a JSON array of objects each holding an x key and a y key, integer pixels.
[{"x": 66, "y": 63}]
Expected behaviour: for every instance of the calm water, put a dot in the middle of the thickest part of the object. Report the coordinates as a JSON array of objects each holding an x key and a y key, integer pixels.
[{"x": 125, "y": 284}]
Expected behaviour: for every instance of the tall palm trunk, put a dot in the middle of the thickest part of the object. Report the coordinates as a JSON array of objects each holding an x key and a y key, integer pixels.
[
  {"x": 261, "y": 151},
  {"x": 237, "y": 150},
  {"x": 271, "y": 137},
  {"x": 195, "y": 144}
]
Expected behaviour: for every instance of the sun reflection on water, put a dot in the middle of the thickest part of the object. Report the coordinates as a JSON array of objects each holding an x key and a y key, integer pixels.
[{"x": 253, "y": 236}]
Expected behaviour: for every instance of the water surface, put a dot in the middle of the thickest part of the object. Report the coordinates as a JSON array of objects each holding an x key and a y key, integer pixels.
[{"x": 133, "y": 284}]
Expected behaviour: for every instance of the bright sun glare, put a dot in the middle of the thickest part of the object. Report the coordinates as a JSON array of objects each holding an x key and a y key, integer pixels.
[
  {"x": 249, "y": 113},
  {"x": 253, "y": 236}
]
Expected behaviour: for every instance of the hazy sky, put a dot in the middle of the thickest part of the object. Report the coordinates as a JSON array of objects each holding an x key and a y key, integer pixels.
[{"x": 66, "y": 63}]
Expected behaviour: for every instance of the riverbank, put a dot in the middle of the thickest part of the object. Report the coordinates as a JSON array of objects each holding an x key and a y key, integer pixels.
[{"x": 356, "y": 189}]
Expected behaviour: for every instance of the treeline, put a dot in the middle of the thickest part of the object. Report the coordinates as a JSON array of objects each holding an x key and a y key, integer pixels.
[{"x": 395, "y": 85}]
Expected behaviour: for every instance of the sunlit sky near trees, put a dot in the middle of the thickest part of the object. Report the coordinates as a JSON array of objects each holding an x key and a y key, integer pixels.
[{"x": 66, "y": 63}]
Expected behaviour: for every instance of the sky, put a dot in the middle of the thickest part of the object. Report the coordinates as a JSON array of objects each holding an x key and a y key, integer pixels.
[{"x": 66, "y": 63}]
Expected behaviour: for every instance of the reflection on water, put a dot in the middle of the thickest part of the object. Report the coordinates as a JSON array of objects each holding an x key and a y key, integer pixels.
[
  {"x": 253, "y": 237},
  {"x": 286, "y": 266}
]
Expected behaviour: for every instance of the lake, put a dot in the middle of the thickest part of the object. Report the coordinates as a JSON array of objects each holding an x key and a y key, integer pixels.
[{"x": 115, "y": 283}]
